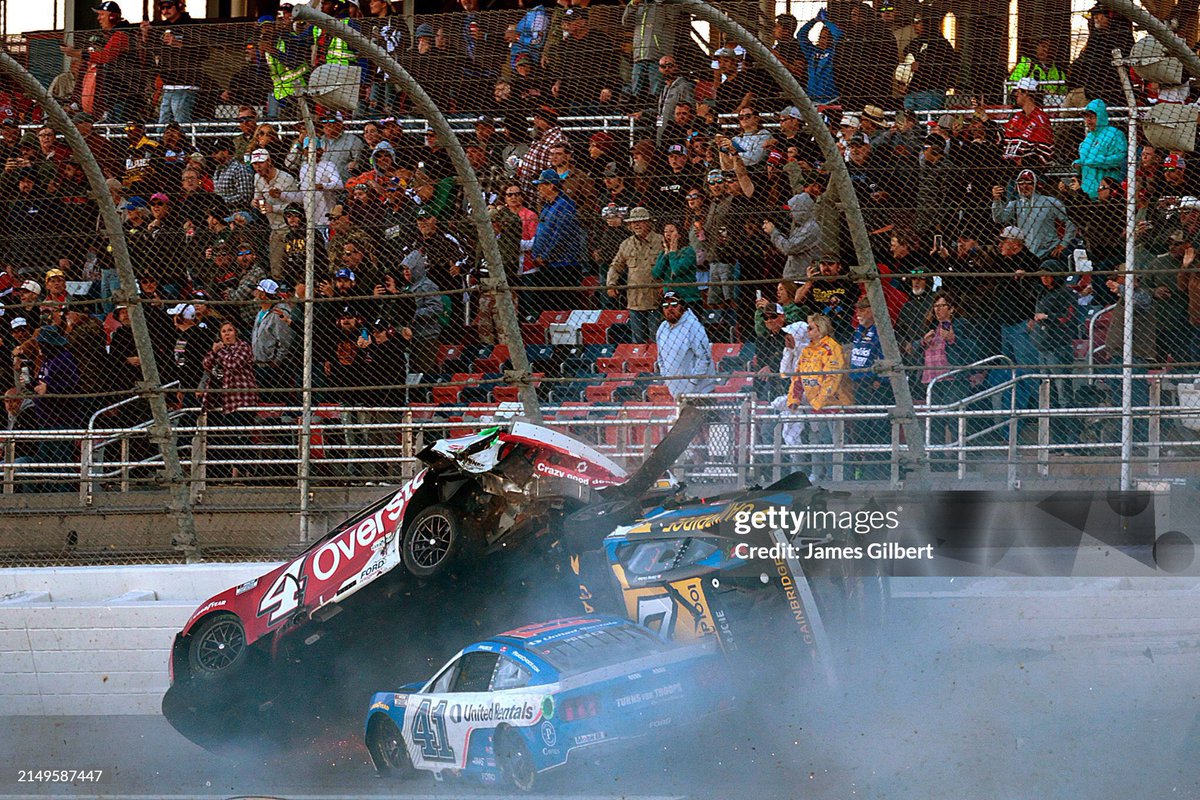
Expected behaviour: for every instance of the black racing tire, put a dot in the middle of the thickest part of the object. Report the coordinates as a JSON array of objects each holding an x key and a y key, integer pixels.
[
  {"x": 389, "y": 754},
  {"x": 217, "y": 648},
  {"x": 432, "y": 542},
  {"x": 517, "y": 768}
]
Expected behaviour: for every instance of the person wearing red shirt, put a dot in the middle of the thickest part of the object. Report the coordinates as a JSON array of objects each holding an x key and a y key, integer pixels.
[{"x": 1028, "y": 138}]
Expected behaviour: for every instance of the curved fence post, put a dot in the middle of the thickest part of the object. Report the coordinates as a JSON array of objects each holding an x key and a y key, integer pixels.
[
  {"x": 160, "y": 431},
  {"x": 496, "y": 283},
  {"x": 840, "y": 177}
]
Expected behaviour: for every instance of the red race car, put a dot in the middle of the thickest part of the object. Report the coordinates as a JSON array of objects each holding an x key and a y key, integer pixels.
[{"x": 476, "y": 494}]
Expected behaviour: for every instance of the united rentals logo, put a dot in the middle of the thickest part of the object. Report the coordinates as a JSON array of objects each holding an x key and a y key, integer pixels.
[{"x": 492, "y": 712}]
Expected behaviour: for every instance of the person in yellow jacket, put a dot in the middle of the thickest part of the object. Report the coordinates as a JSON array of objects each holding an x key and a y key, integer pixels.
[{"x": 822, "y": 385}]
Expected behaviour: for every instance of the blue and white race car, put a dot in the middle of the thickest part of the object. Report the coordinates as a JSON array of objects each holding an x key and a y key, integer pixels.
[{"x": 516, "y": 705}]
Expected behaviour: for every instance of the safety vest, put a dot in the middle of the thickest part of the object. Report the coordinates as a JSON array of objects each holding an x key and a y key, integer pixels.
[
  {"x": 338, "y": 51},
  {"x": 1027, "y": 68},
  {"x": 284, "y": 81}
]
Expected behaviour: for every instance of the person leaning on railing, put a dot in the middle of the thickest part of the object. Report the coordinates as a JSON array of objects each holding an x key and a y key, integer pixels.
[
  {"x": 230, "y": 367},
  {"x": 949, "y": 342}
]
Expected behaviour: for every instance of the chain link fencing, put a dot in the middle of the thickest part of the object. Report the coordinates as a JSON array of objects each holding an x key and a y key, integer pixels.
[{"x": 666, "y": 227}]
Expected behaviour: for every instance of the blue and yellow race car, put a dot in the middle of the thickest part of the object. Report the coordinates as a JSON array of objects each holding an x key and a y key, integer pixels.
[{"x": 509, "y": 708}]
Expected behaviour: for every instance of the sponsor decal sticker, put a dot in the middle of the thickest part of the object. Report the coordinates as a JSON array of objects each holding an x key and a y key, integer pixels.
[{"x": 549, "y": 735}]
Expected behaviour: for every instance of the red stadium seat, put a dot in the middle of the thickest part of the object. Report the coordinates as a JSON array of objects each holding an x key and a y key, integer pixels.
[
  {"x": 603, "y": 393},
  {"x": 597, "y": 332},
  {"x": 738, "y": 382},
  {"x": 447, "y": 394},
  {"x": 537, "y": 330},
  {"x": 658, "y": 394},
  {"x": 635, "y": 358},
  {"x": 494, "y": 362},
  {"x": 722, "y": 351},
  {"x": 448, "y": 352},
  {"x": 511, "y": 394}
]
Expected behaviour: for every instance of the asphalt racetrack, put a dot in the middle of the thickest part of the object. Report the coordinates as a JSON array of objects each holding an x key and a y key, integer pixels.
[{"x": 1084, "y": 689}]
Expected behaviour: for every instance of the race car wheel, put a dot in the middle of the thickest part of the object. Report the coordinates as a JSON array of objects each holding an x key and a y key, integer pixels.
[
  {"x": 388, "y": 752},
  {"x": 516, "y": 762},
  {"x": 431, "y": 542},
  {"x": 218, "y": 647}
]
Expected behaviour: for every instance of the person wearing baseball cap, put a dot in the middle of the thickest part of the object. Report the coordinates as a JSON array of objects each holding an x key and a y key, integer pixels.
[
  {"x": 192, "y": 343},
  {"x": 1028, "y": 137},
  {"x": 684, "y": 350},
  {"x": 670, "y": 186},
  {"x": 1039, "y": 217},
  {"x": 559, "y": 247},
  {"x": 270, "y": 339}
]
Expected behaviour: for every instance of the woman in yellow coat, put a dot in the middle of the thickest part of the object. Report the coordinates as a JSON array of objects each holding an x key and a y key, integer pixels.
[{"x": 822, "y": 386}]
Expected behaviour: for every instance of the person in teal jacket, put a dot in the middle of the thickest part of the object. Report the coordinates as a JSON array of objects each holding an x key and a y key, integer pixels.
[
  {"x": 1103, "y": 151},
  {"x": 677, "y": 265}
]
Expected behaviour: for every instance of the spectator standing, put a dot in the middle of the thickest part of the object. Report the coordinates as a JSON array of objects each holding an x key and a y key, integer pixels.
[
  {"x": 1041, "y": 67},
  {"x": 947, "y": 343},
  {"x": 1028, "y": 137},
  {"x": 684, "y": 351},
  {"x": 934, "y": 65},
  {"x": 514, "y": 201},
  {"x": 633, "y": 267},
  {"x": 230, "y": 366},
  {"x": 286, "y": 50},
  {"x": 421, "y": 321},
  {"x": 178, "y": 51},
  {"x": 820, "y": 384},
  {"x": 1043, "y": 221},
  {"x": 560, "y": 246},
  {"x": 271, "y": 340},
  {"x": 938, "y": 178},
  {"x": 870, "y": 389},
  {"x": 654, "y": 28},
  {"x": 675, "y": 267},
  {"x": 1103, "y": 151},
  {"x": 270, "y": 184},
  {"x": 677, "y": 91},
  {"x": 341, "y": 147},
  {"x": 1052, "y": 329},
  {"x": 87, "y": 342},
  {"x": 1007, "y": 305},
  {"x": 111, "y": 85},
  {"x": 322, "y": 182},
  {"x": 1092, "y": 70},
  {"x": 802, "y": 245},
  {"x": 192, "y": 342},
  {"x": 54, "y": 407},
  {"x": 588, "y": 78},
  {"x": 862, "y": 64},
  {"x": 820, "y": 57}
]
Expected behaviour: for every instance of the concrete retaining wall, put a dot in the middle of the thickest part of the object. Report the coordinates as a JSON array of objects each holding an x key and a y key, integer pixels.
[{"x": 95, "y": 640}]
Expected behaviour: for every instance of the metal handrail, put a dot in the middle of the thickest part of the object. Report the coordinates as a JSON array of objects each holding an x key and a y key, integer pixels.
[{"x": 1092, "y": 349}]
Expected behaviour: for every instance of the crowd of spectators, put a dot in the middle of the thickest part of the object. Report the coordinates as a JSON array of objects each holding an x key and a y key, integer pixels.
[{"x": 722, "y": 201}]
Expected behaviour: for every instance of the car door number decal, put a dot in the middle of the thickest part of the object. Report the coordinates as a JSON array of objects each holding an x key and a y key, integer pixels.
[
  {"x": 429, "y": 731},
  {"x": 282, "y": 599}
]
